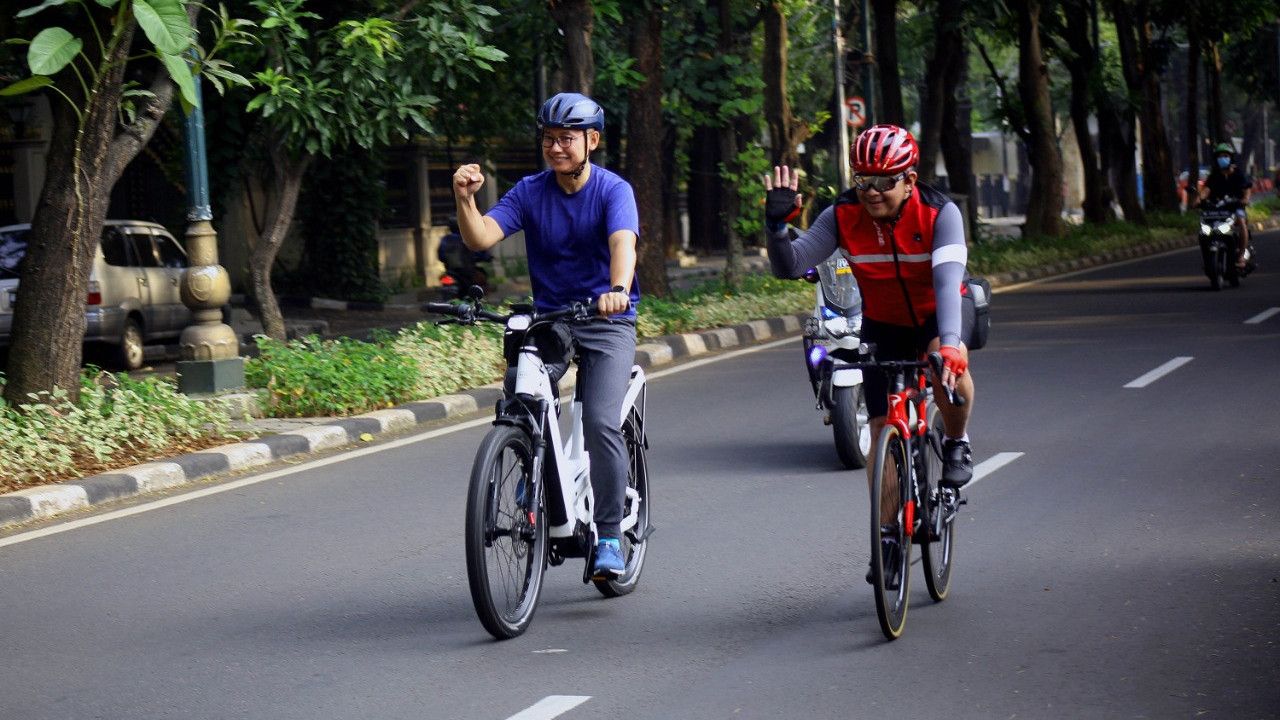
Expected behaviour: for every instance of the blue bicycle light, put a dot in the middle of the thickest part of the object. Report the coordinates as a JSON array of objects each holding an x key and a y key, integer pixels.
[{"x": 817, "y": 354}]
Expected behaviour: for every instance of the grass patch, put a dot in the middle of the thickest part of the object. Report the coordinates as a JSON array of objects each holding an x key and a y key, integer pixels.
[{"x": 995, "y": 256}]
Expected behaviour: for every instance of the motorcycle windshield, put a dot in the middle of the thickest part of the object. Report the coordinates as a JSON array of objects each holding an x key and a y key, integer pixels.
[{"x": 838, "y": 286}]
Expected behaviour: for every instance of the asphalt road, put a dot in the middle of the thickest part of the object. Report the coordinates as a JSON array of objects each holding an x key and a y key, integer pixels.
[{"x": 1124, "y": 563}]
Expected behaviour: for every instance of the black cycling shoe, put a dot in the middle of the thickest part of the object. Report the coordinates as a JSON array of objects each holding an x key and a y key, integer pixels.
[
  {"x": 957, "y": 464},
  {"x": 889, "y": 550}
]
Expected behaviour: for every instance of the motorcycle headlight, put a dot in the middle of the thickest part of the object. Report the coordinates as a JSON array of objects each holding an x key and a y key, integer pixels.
[
  {"x": 1224, "y": 226},
  {"x": 828, "y": 313},
  {"x": 1204, "y": 229}
]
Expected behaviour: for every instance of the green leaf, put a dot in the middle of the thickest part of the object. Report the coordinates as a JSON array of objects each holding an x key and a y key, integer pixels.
[
  {"x": 180, "y": 71},
  {"x": 108, "y": 3},
  {"x": 17, "y": 41},
  {"x": 51, "y": 50},
  {"x": 42, "y": 6},
  {"x": 165, "y": 23},
  {"x": 26, "y": 85}
]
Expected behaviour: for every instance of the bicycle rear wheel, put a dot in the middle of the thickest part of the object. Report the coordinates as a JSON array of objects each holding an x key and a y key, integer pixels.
[
  {"x": 890, "y": 539},
  {"x": 506, "y": 533},
  {"x": 634, "y": 545},
  {"x": 938, "y": 542}
]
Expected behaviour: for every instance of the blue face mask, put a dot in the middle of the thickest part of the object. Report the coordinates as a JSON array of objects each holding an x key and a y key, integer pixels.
[{"x": 1224, "y": 162}]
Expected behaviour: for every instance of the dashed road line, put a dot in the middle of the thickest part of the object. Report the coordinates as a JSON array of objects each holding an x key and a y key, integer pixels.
[
  {"x": 550, "y": 706},
  {"x": 992, "y": 464},
  {"x": 1262, "y": 316},
  {"x": 1159, "y": 372}
]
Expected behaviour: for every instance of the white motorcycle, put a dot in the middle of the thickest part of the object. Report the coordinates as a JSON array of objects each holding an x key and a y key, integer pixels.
[{"x": 833, "y": 331}]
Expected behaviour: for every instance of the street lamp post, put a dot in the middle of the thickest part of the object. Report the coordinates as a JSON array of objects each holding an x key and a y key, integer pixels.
[{"x": 210, "y": 351}]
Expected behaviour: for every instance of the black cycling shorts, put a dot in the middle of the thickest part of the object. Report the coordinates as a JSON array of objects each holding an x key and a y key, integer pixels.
[{"x": 893, "y": 342}]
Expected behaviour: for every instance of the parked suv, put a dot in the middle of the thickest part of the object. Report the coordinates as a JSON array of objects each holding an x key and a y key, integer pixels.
[{"x": 133, "y": 288}]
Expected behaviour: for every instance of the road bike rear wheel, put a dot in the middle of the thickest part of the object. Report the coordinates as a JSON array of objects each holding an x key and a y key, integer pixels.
[
  {"x": 849, "y": 426},
  {"x": 890, "y": 539},
  {"x": 634, "y": 545},
  {"x": 938, "y": 544},
  {"x": 506, "y": 533}
]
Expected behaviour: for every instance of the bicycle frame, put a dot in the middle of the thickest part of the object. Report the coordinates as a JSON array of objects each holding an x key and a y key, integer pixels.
[
  {"x": 562, "y": 462},
  {"x": 908, "y": 410}
]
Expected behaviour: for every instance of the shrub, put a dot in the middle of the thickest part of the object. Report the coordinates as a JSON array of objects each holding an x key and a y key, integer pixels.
[
  {"x": 313, "y": 377},
  {"x": 451, "y": 357},
  {"x": 117, "y": 421}
]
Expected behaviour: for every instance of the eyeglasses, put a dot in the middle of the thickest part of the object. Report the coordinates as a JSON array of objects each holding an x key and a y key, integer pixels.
[
  {"x": 879, "y": 183},
  {"x": 563, "y": 141}
]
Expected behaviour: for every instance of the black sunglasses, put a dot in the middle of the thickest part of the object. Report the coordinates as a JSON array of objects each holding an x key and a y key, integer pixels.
[{"x": 879, "y": 183}]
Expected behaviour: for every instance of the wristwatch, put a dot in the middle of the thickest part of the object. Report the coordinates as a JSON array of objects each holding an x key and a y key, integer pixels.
[{"x": 618, "y": 289}]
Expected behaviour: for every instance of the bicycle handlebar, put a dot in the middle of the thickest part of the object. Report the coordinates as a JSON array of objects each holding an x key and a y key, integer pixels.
[
  {"x": 933, "y": 363},
  {"x": 466, "y": 313}
]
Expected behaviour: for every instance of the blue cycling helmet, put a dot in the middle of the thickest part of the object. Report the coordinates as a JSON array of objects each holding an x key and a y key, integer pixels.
[{"x": 571, "y": 110}]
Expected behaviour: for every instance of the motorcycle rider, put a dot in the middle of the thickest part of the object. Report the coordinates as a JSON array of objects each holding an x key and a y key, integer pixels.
[
  {"x": 1228, "y": 182},
  {"x": 580, "y": 226},
  {"x": 905, "y": 243}
]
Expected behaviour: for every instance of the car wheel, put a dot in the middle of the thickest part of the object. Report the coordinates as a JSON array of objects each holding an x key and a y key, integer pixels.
[{"x": 129, "y": 354}]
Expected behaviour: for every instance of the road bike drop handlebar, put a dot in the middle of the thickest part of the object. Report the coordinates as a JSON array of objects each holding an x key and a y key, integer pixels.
[{"x": 934, "y": 363}]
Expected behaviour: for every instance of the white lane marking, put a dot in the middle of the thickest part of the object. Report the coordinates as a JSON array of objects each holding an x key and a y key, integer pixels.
[
  {"x": 314, "y": 464},
  {"x": 1159, "y": 372},
  {"x": 550, "y": 651},
  {"x": 1256, "y": 319},
  {"x": 550, "y": 706},
  {"x": 992, "y": 464}
]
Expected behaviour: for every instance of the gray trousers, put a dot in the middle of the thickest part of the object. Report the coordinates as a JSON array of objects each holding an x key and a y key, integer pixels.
[{"x": 607, "y": 350}]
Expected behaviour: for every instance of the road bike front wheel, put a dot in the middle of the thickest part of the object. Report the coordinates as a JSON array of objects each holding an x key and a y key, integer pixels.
[
  {"x": 506, "y": 533},
  {"x": 890, "y": 538},
  {"x": 634, "y": 541},
  {"x": 939, "y": 535}
]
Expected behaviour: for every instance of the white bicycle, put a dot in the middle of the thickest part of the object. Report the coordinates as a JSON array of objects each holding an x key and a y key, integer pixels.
[{"x": 530, "y": 502}]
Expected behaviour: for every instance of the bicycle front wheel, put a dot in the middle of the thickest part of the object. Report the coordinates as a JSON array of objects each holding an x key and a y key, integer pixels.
[
  {"x": 634, "y": 540},
  {"x": 506, "y": 533},
  {"x": 890, "y": 538},
  {"x": 939, "y": 533}
]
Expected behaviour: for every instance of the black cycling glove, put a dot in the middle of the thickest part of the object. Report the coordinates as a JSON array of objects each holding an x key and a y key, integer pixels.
[{"x": 780, "y": 207}]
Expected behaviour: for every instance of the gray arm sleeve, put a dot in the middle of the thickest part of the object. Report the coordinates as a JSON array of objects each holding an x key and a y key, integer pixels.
[
  {"x": 950, "y": 254},
  {"x": 790, "y": 259}
]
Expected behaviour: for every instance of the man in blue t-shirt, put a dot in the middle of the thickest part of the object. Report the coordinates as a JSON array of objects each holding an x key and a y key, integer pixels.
[{"x": 580, "y": 228}]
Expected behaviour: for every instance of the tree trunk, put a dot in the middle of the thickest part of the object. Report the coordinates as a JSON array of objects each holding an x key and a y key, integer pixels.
[
  {"x": 726, "y": 45},
  {"x": 1192, "y": 116},
  {"x": 947, "y": 41},
  {"x": 1082, "y": 64},
  {"x": 1251, "y": 140},
  {"x": 1158, "y": 175},
  {"x": 1044, "y": 207},
  {"x": 704, "y": 189},
  {"x": 957, "y": 135},
  {"x": 886, "y": 53},
  {"x": 48, "y": 322},
  {"x": 777, "y": 108},
  {"x": 645, "y": 142},
  {"x": 288, "y": 181},
  {"x": 671, "y": 235},
  {"x": 1213, "y": 67},
  {"x": 576, "y": 20}
]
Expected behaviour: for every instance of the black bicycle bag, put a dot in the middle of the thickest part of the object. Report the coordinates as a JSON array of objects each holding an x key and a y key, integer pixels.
[{"x": 975, "y": 306}]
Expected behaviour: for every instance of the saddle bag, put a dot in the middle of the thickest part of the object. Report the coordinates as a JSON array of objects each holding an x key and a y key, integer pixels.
[{"x": 975, "y": 308}]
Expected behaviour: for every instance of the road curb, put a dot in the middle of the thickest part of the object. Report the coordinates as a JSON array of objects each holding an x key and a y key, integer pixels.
[{"x": 47, "y": 501}]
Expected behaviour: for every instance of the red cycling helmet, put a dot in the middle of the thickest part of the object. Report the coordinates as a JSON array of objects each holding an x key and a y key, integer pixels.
[{"x": 884, "y": 150}]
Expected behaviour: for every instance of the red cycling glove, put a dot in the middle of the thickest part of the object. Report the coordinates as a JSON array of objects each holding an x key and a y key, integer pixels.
[{"x": 953, "y": 360}]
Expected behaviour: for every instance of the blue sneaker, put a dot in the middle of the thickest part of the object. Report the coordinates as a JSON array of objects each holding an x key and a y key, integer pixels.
[{"x": 609, "y": 557}]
